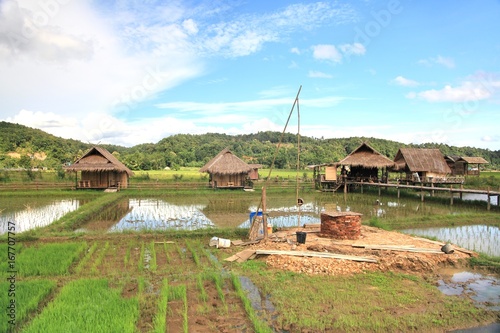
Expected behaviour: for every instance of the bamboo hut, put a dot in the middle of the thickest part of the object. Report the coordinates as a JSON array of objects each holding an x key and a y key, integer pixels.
[
  {"x": 226, "y": 170},
  {"x": 422, "y": 165},
  {"x": 364, "y": 163},
  {"x": 464, "y": 165},
  {"x": 254, "y": 173},
  {"x": 99, "y": 169}
]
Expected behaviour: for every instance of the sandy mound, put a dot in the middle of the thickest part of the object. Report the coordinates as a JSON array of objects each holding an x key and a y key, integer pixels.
[{"x": 400, "y": 252}]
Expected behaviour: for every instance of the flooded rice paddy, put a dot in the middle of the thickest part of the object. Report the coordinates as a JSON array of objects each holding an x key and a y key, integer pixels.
[
  {"x": 31, "y": 214},
  {"x": 201, "y": 212}
]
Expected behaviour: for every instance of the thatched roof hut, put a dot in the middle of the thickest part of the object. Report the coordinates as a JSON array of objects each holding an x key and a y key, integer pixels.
[
  {"x": 100, "y": 169},
  {"x": 364, "y": 163},
  {"x": 423, "y": 162},
  {"x": 459, "y": 165},
  {"x": 367, "y": 157},
  {"x": 227, "y": 170}
]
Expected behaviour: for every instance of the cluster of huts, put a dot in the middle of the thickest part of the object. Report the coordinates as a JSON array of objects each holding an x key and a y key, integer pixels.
[
  {"x": 414, "y": 165},
  {"x": 99, "y": 169}
]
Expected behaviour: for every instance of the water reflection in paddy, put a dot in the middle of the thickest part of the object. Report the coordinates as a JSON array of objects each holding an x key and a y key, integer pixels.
[
  {"x": 479, "y": 238},
  {"x": 31, "y": 215},
  {"x": 155, "y": 214}
]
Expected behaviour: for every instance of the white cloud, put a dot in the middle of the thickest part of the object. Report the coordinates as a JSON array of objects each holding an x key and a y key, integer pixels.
[
  {"x": 335, "y": 54},
  {"x": 327, "y": 52},
  {"x": 439, "y": 60},
  {"x": 295, "y": 50},
  {"x": 402, "y": 81},
  {"x": 353, "y": 49},
  {"x": 31, "y": 31},
  {"x": 467, "y": 91},
  {"x": 317, "y": 74}
]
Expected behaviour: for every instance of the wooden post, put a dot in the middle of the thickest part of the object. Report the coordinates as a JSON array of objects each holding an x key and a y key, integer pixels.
[
  {"x": 451, "y": 195},
  {"x": 432, "y": 192},
  {"x": 422, "y": 192},
  {"x": 379, "y": 189},
  {"x": 264, "y": 212},
  {"x": 399, "y": 194},
  {"x": 361, "y": 186},
  {"x": 461, "y": 193},
  {"x": 489, "y": 205}
]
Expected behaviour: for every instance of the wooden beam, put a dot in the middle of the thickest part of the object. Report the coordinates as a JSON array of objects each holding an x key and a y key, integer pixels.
[
  {"x": 399, "y": 248},
  {"x": 315, "y": 254}
]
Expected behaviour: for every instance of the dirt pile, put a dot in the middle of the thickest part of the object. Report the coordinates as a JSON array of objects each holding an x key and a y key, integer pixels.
[{"x": 393, "y": 251}]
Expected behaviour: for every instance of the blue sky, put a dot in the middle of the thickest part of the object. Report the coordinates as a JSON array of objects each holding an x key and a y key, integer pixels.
[{"x": 129, "y": 72}]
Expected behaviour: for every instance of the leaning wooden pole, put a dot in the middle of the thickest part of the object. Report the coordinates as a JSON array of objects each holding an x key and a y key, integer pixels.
[{"x": 252, "y": 235}]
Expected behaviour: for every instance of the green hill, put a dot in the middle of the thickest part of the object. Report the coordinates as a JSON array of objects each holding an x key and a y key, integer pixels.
[{"x": 21, "y": 146}]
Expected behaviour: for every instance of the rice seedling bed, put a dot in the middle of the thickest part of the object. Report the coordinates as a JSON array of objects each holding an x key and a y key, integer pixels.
[
  {"x": 48, "y": 259},
  {"x": 28, "y": 296},
  {"x": 87, "y": 305}
]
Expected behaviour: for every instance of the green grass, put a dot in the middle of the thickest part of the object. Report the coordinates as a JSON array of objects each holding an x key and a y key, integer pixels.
[
  {"x": 87, "y": 306},
  {"x": 370, "y": 302},
  {"x": 27, "y": 296},
  {"x": 160, "y": 318},
  {"x": 48, "y": 259}
]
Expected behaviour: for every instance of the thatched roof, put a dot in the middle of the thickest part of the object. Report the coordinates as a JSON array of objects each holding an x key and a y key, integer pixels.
[
  {"x": 421, "y": 159},
  {"x": 474, "y": 160},
  {"x": 98, "y": 159},
  {"x": 366, "y": 156},
  {"x": 226, "y": 163},
  {"x": 255, "y": 166}
]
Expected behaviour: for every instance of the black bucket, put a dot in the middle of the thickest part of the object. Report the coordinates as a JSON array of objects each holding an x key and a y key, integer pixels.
[{"x": 301, "y": 237}]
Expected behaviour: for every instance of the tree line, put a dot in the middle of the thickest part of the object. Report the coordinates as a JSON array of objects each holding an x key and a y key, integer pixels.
[{"x": 23, "y": 147}]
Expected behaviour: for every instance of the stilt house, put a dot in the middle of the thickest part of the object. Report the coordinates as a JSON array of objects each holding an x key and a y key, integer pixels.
[
  {"x": 422, "y": 165},
  {"x": 226, "y": 170},
  {"x": 464, "y": 165},
  {"x": 364, "y": 164},
  {"x": 99, "y": 169}
]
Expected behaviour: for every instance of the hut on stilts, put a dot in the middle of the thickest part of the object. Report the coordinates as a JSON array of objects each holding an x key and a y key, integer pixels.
[
  {"x": 366, "y": 164},
  {"x": 227, "y": 170},
  {"x": 99, "y": 169}
]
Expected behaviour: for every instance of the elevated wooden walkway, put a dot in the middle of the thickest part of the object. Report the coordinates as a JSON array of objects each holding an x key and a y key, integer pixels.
[{"x": 429, "y": 187}]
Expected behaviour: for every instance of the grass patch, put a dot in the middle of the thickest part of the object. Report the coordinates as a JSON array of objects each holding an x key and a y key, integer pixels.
[
  {"x": 48, "y": 259},
  {"x": 370, "y": 302},
  {"x": 483, "y": 261},
  {"x": 87, "y": 305},
  {"x": 28, "y": 295}
]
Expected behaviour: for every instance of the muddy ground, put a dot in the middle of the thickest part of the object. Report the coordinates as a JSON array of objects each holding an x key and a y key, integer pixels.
[{"x": 387, "y": 260}]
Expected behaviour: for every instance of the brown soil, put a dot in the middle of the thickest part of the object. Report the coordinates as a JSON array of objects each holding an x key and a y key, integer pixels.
[{"x": 388, "y": 260}]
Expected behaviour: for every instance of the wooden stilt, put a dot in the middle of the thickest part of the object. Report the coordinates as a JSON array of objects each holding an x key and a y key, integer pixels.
[
  {"x": 264, "y": 211},
  {"x": 451, "y": 195}
]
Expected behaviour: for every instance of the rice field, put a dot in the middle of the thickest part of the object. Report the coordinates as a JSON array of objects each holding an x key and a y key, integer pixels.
[{"x": 132, "y": 283}]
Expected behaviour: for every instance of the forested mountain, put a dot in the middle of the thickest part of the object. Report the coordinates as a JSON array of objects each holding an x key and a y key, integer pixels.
[{"x": 21, "y": 146}]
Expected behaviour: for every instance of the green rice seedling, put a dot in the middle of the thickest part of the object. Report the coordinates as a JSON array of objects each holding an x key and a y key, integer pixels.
[
  {"x": 87, "y": 305},
  {"x": 258, "y": 325},
  {"x": 49, "y": 259},
  {"x": 152, "y": 263},
  {"x": 140, "y": 262},
  {"x": 167, "y": 252},
  {"x": 86, "y": 258},
  {"x": 180, "y": 293},
  {"x": 98, "y": 260},
  {"x": 160, "y": 318},
  {"x": 218, "y": 281},
  {"x": 27, "y": 296},
  {"x": 126, "y": 259},
  {"x": 196, "y": 259},
  {"x": 201, "y": 287}
]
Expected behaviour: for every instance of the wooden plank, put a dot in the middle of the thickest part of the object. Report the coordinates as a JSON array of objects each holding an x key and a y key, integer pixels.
[
  {"x": 241, "y": 256},
  {"x": 404, "y": 249},
  {"x": 456, "y": 248},
  {"x": 388, "y": 246},
  {"x": 167, "y": 242},
  {"x": 315, "y": 254}
]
